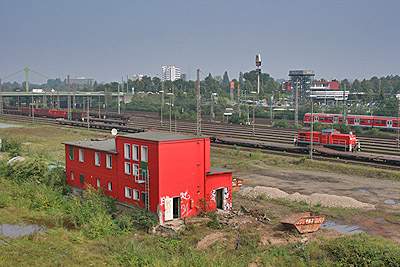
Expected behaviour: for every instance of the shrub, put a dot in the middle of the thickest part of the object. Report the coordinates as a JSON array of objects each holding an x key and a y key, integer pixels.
[
  {"x": 11, "y": 145},
  {"x": 281, "y": 124}
]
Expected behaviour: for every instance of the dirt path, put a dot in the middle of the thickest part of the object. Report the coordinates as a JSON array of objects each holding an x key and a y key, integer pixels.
[{"x": 364, "y": 189}]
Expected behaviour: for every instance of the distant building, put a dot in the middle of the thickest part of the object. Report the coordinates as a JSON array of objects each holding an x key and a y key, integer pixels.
[
  {"x": 170, "y": 73},
  {"x": 184, "y": 77},
  {"x": 138, "y": 77},
  {"x": 319, "y": 90},
  {"x": 82, "y": 81}
]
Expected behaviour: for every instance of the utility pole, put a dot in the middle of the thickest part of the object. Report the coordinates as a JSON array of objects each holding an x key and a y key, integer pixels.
[
  {"x": 238, "y": 100},
  {"x": 198, "y": 107},
  {"x": 296, "y": 101},
  {"x": 58, "y": 99},
  {"x": 69, "y": 99},
  {"x": 312, "y": 128},
  {"x": 127, "y": 88},
  {"x": 211, "y": 107},
  {"x": 73, "y": 96},
  {"x": 1, "y": 100},
  {"x": 344, "y": 105},
  {"x": 119, "y": 102},
  {"x": 254, "y": 116},
  {"x": 33, "y": 111},
  {"x": 270, "y": 111},
  {"x": 162, "y": 102},
  {"x": 88, "y": 109},
  {"x": 170, "y": 107},
  {"x": 99, "y": 106},
  {"x": 398, "y": 115}
]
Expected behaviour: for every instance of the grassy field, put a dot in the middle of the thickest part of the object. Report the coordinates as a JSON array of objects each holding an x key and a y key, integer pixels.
[{"x": 89, "y": 232}]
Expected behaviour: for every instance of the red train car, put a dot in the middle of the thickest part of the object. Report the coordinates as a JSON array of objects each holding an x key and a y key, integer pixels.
[
  {"x": 331, "y": 138},
  {"x": 42, "y": 112},
  {"x": 365, "y": 121},
  {"x": 55, "y": 113}
]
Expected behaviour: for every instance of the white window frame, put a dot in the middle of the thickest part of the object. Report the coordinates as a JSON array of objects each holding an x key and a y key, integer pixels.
[
  {"x": 127, "y": 151},
  {"x": 98, "y": 183},
  {"x": 109, "y": 161},
  {"x": 144, "y": 153},
  {"x": 128, "y": 192},
  {"x": 72, "y": 176},
  {"x": 109, "y": 186},
  {"x": 135, "y": 152},
  {"x": 136, "y": 194},
  {"x": 128, "y": 165},
  {"x": 81, "y": 155},
  {"x": 97, "y": 158},
  {"x": 135, "y": 170}
]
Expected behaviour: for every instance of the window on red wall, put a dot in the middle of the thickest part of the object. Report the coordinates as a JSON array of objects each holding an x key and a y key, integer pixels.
[
  {"x": 71, "y": 152},
  {"x": 135, "y": 149},
  {"x": 97, "y": 158},
  {"x": 109, "y": 186},
  {"x": 128, "y": 168},
  {"x": 128, "y": 192},
  {"x": 144, "y": 153},
  {"x": 127, "y": 151},
  {"x": 109, "y": 161},
  {"x": 72, "y": 176},
  {"x": 98, "y": 182},
  {"x": 81, "y": 155}
]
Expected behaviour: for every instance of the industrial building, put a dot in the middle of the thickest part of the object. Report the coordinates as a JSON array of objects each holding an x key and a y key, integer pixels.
[{"x": 166, "y": 173}]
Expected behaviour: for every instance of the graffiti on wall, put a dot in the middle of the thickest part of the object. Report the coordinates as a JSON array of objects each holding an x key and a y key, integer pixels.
[
  {"x": 185, "y": 210},
  {"x": 228, "y": 201},
  {"x": 213, "y": 194}
]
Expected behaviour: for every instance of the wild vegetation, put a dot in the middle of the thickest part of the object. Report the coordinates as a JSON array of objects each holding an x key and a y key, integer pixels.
[{"x": 87, "y": 230}]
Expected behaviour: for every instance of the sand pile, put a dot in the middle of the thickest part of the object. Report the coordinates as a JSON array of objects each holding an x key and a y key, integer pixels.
[{"x": 326, "y": 200}]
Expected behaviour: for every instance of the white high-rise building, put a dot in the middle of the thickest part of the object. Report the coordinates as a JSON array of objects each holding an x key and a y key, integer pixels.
[{"x": 170, "y": 73}]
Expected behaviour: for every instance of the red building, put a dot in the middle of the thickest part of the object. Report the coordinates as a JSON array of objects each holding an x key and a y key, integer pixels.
[{"x": 169, "y": 174}]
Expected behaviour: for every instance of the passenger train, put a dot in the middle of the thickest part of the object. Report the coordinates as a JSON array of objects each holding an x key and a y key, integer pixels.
[{"x": 364, "y": 121}]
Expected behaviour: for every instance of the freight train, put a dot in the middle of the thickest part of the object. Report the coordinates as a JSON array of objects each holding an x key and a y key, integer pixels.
[
  {"x": 380, "y": 122},
  {"x": 50, "y": 113},
  {"x": 330, "y": 138}
]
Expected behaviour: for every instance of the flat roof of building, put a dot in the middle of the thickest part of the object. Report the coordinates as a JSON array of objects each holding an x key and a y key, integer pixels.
[
  {"x": 162, "y": 136},
  {"x": 103, "y": 145},
  {"x": 215, "y": 170}
]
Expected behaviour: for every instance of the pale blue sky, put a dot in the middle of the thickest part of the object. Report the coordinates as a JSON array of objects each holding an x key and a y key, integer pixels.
[{"x": 108, "y": 39}]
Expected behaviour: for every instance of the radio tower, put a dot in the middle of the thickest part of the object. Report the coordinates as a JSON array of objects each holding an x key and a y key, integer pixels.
[{"x": 198, "y": 117}]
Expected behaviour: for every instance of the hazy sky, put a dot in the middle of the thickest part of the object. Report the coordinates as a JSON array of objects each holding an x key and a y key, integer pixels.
[{"x": 106, "y": 40}]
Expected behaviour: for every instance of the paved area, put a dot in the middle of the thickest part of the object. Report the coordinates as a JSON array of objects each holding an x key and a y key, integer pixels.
[{"x": 5, "y": 125}]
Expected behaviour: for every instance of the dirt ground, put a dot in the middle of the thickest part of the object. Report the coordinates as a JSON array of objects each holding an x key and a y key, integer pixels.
[{"x": 364, "y": 189}]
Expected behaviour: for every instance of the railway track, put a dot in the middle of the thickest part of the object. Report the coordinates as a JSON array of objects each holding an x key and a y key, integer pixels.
[{"x": 262, "y": 134}]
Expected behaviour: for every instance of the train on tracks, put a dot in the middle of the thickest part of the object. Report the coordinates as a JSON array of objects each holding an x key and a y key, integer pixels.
[
  {"x": 364, "y": 121},
  {"x": 63, "y": 114},
  {"x": 330, "y": 138}
]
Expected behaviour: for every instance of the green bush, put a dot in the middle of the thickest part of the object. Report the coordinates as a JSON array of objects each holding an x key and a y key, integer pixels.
[
  {"x": 281, "y": 124},
  {"x": 11, "y": 145}
]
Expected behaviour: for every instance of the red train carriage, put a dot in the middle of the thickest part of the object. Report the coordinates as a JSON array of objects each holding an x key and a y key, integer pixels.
[
  {"x": 381, "y": 122},
  {"x": 55, "y": 113},
  {"x": 329, "y": 138}
]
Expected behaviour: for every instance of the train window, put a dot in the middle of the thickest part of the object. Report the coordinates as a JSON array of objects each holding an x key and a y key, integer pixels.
[
  {"x": 383, "y": 122},
  {"x": 330, "y": 119},
  {"x": 351, "y": 120},
  {"x": 340, "y": 120},
  {"x": 395, "y": 123},
  {"x": 362, "y": 121},
  {"x": 369, "y": 121},
  {"x": 377, "y": 122}
]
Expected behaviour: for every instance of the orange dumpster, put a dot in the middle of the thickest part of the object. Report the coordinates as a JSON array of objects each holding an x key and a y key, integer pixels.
[{"x": 304, "y": 222}]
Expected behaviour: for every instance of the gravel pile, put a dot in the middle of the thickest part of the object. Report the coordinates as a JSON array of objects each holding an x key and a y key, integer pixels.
[{"x": 326, "y": 200}]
